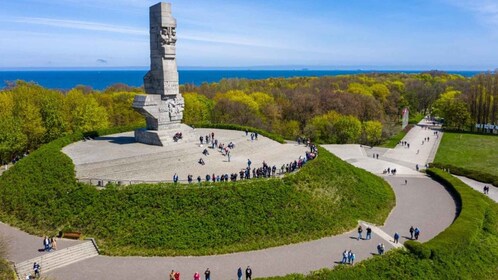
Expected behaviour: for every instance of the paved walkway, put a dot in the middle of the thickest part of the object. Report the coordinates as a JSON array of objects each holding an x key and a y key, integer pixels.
[
  {"x": 23, "y": 246},
  {"x": 478, "y": 186},
  {"x": 420, "y": 202}
]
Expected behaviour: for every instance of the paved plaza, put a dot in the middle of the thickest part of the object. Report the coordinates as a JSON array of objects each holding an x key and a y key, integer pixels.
[{"x": 118, "y": 157}]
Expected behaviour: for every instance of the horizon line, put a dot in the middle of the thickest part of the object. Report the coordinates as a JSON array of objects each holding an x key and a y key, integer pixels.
[{"x": 256, "y": 68}]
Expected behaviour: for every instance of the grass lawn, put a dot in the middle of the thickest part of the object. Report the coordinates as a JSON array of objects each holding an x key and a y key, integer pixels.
[{"x": 473, "y": 152}]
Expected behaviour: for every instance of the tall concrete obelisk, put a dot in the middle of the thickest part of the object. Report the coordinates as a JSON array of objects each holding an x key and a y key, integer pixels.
[{"x": 163, "y": 104}]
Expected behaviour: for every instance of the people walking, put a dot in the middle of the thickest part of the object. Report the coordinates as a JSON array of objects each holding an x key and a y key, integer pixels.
[
  {"x": 37, "y": 269},
  {"x": 412, "y": 231},
  {"x": 417, "y": 233},
  {"x": 369, "y": 233},
  {"x": 197, "y": 276},
  {"x": 360, "y": 230},
  {"x": 396, "y": 237},
  {"x": 344, "y": 257},
  {"x": 54, "y": 243},
  {"x": 239, "y": 271},
  {"x": 172, "y": 275},
  {"x": 207, "y": 273},
  {"x": 248, "y": 273},
  {"x": 380, "y": 248}
]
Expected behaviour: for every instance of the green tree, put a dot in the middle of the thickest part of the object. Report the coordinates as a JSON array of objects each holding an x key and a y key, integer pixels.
[
  {"x": 454, "y": 110},
  {"x": 358, "y": 88},
  {"x": 372, "y": 132},
  {"x": 12, "y": 140},
  {"x": 198, "y": 108},
  {"x": 380, "y": 91},
  {"x": 52, "y": 113},
  {"x": 27, "y": 111},
  {"x": 84, "y": 113},
  {"x": 348, "y": 130}
]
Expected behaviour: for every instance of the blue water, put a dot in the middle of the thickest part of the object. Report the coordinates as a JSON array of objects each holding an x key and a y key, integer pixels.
[{"x": 101, "y": 79}]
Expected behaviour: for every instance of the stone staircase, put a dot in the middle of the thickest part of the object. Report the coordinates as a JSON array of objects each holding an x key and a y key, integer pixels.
[{"x": 56, "y": 259}]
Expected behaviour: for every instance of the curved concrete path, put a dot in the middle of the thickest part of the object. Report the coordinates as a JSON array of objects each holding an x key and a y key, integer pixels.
[
  {"x": 479, "y": 186},
  {"x": 421, "y": 202}
]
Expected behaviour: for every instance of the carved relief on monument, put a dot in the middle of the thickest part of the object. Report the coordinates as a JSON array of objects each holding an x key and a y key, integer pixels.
[{"x": 167, "y": 39}]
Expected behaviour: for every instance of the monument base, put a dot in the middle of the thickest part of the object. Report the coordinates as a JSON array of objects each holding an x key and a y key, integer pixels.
[{"x": 164, "y": 136}]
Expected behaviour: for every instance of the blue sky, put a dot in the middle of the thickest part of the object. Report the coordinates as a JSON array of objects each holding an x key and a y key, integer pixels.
[{"x": 335, "y": 34}]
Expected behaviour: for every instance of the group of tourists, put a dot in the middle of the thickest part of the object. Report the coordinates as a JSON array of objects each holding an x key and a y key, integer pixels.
[
  {"x": 404, "y": 144},
  {"x": 49, "y": 244},
  {"x": 264, "y": 171},
  {"x": 389, "y": 171},
  {"x": 348, "y": 257},
  {"x": 214, "y": 143},
  {"x": 414, "y": 232},
  {"x": 486, "y": 189},
  {"x": 177, "y": 136},
  {"x": 175, "y": 275},
  {"x": 381, "y": 248}
]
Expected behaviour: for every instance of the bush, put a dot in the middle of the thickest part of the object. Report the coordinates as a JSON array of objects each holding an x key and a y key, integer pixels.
[{"x": 418, "y": 249}]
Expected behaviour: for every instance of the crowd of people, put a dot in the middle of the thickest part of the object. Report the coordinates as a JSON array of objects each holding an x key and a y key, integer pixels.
[{"x": 264, "y": 171}]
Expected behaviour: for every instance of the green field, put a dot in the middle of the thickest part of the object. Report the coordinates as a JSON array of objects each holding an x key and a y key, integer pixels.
[
  {"x": 327, "y": 196},
  {"x": 468, "y": 249},
  {"x": 471, "y": 155}
]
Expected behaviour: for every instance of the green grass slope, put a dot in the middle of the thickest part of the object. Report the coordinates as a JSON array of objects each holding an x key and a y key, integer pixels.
[
  {"x": 468, "y": 249},
  {"x": 471, "y": 155},
  {"x": 327, "y": 196}
]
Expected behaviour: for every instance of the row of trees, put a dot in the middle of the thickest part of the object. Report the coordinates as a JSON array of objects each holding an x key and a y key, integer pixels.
[
  {"x": 473, "y": 101},
  {"x": 31, "y": 115},
  {"x": 340, "y": 109}
]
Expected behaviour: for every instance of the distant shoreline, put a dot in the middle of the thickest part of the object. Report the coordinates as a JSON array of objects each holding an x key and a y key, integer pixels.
[{"x": 103, "y": 78}]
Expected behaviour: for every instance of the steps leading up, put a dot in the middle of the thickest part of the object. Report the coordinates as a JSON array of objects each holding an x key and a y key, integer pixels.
[{"x": 59, "y": 258}]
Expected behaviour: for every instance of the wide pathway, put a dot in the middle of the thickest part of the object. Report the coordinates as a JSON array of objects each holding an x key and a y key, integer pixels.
[{"x": 420, "y": 202}]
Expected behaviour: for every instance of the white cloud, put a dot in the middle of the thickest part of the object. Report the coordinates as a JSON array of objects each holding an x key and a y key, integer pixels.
[
  {"x": 77, "y": 24},
  {"x": 485, "y": 10}
]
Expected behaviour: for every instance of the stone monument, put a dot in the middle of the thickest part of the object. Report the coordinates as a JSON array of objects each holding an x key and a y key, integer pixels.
[{"x": 163, "y": 104}]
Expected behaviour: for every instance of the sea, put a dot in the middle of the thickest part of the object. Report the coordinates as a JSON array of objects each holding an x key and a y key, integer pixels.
[{"x": 101, "y": 79}]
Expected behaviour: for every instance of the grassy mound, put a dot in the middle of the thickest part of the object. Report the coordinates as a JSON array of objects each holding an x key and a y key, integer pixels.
[
  {"x": 471, "y": 155},
  {"x": 327, "y": 196},
  {"x": 468, "y": 249}
]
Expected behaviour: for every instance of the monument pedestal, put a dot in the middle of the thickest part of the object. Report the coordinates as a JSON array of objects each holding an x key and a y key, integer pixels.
[{"x": 164, "y": 136}]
